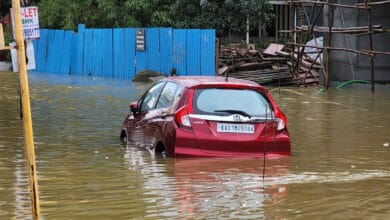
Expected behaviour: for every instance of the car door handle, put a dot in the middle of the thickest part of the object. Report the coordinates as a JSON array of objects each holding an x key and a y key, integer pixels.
[{"x": 164, "y": 114}]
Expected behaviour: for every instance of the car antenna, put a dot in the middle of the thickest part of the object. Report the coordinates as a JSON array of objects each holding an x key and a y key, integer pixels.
[
  {"x": 265, "y": 143},
  {"x": 226, "y": 76}
]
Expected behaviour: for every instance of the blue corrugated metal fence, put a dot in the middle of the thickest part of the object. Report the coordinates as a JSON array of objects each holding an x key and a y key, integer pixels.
[{"x": 112, "y": 52}]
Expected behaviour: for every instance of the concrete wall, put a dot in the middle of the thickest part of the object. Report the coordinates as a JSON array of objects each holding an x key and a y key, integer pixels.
[{"x": 346, "y": 65}]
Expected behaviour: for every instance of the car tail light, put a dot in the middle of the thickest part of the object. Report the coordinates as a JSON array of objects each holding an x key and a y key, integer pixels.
[
  {"x": 183, "y": 114},
  {"x": 282, "y": 120},
  {"x": 182, "y": 117}
]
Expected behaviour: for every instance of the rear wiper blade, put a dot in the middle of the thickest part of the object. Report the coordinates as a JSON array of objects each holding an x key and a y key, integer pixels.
[
  {"x": 262, "y": 119},
  {"x": 233, "y": 111}
]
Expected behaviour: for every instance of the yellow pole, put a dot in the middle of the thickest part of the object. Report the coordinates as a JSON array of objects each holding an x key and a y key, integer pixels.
[{"x": 27, "y": 120}]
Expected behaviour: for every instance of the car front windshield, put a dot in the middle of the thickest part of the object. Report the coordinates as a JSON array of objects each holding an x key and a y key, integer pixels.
[{"x": 221, "y": 101}]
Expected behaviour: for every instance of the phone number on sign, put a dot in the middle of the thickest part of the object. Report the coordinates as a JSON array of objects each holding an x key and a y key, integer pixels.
[{"x": 31, "y": 33}]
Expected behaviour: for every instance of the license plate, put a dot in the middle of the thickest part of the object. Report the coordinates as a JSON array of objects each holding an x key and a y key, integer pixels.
[{"x": 236, "y": 128}]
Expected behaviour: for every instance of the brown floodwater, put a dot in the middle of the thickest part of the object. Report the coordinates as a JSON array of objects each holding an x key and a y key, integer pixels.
[{"x": 339, "y": 167}]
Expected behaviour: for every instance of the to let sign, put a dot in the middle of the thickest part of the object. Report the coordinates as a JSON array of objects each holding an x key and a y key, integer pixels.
[{"x": 30, "y": 22}]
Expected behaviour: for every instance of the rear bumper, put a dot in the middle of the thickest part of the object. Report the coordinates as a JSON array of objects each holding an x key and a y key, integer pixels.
[{"x": 187, "y": 146}]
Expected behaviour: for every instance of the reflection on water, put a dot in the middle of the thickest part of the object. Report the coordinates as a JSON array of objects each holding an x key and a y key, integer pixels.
[
  {"x": 208, "y": 187},
  {"x": 228, "y": 188},
  {"x": 338, "y": 168},
  {"x": 14, "y": 197}
]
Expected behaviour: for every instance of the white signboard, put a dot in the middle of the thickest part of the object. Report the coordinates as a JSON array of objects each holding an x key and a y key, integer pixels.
[
  {"x": 30, "y": 22},
  {"x": 30, "y": 58}
]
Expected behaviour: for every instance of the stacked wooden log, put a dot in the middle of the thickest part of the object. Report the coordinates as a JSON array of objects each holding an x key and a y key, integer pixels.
[{"x": 274, "y": 65}]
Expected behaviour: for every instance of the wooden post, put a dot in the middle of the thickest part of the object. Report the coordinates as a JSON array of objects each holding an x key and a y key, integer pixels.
[
  {"x": 371, "y": 56},
  {"x": 330, "y": 24},
  {"x": 277, "y": 24},
  {"x": 26, "y": 110},
  {"x": 2, "y": 44},
  {"x": 293, "y": 33},
  {"x": 2, "y": 41}
]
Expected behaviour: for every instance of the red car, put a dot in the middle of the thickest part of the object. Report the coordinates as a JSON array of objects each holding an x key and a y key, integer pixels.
[{"x": 207, "y": 116}]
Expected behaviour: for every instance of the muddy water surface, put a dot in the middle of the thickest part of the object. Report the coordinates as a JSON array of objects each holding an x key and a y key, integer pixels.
[{"x": 339, "y": 167}]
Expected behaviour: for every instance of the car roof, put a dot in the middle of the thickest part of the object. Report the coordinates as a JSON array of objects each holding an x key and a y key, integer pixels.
[{"x": 199, "y": 81}]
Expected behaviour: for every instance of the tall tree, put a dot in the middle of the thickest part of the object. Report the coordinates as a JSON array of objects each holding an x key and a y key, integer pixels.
[{"x": 226, "y": 16}]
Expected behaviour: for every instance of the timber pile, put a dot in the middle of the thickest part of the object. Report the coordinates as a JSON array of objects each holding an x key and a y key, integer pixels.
[{"x": 274, "y": 65}]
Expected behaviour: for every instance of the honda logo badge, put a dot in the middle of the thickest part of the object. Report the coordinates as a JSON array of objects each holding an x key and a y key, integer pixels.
[{"x": 236, "y": 118}]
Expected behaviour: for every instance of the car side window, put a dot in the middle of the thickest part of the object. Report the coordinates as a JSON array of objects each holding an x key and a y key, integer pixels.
[
  {"x": 168, "y": 95},
  {"x": 150, "y": 98}
]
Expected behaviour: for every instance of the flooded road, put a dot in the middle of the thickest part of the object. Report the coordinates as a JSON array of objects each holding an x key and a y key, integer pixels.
[{"x": 339, "y": 167}]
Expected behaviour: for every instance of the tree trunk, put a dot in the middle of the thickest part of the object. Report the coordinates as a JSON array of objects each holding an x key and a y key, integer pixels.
[
  {"x": 260, "y": 28},
  {"x": 247, "y": 30}
]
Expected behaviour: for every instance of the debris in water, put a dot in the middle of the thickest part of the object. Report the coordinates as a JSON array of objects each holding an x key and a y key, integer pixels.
[
  {"x": 96, "y": 151},
  {"x": 353, "y": 166},
  {"x": 386, "y": 144},
  {"x": 147, "y": 76}
]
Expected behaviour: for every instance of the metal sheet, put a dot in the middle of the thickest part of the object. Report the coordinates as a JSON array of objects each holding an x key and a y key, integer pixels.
[
  {"x": 208, "y": 52},
  {"x": 166, "y": 49},
  {"x": 88, "y": 52},
  {"x": 97, "y": 53},
  {"x": 129, "y": 53},
  {"x": 55, "y": 50},
  {"x": 179, "y": 56},
  {"x": 40, "y": 50},
  {"x": 66, "y": 53},
  {"x": 153, "y": 48},
  {"x": 193, "y": 52},
  {"x": 106, "y": 57},
  {"x": 112, "y": 52},
  {"x": 118, "y": 52},
  {"x": 78, "y": 51}
]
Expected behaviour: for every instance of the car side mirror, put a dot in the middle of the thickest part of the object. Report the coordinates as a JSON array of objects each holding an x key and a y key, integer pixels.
[{"x": 134, "y": 108}]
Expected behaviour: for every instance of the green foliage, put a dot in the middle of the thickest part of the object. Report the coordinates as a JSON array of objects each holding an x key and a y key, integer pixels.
[
  {"x": 227, "y": 16},
  {"x": 7, "y": 40},
  {"x": 59, "y": 14}
]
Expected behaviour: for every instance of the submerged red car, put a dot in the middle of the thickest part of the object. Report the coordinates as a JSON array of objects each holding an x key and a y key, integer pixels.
[{"x": 207, "y": 116}]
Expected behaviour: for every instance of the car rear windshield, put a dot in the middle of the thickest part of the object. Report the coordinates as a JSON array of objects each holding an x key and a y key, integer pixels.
[{"x": 218, "y": 101}]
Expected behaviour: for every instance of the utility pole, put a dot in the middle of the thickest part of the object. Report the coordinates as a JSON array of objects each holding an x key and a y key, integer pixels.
[{"x": 26, "y": 110}]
